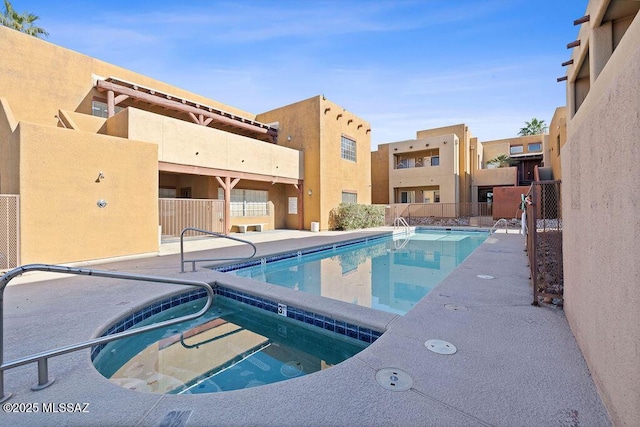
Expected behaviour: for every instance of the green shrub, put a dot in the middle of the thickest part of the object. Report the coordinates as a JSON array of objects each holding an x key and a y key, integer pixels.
[{"x": 351, "y": 216}]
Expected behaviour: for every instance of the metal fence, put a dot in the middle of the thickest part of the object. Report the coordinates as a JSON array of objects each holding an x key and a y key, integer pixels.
[
  {"x": 442, "y": 214},
  {"x": 9, "y": 231},
  {"x": 544, "y": 241},
  {"x": 178, "y": 214}
]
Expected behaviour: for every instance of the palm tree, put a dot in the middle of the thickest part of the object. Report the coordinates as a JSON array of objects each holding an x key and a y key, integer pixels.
[
  {"x": 502, "y": 161},
  {"x": 534, "y": 127},
  {"x": 23, "y": 22}
]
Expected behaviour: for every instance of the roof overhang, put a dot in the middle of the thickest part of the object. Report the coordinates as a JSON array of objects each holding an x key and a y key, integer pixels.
[
  {"x": 526, "y": 156},
  {"x": 197, "y": 112}
]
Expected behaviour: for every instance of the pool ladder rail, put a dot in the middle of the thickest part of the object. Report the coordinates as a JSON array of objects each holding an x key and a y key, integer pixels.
[
  {"x": 210, "y": 233},
  {"x": 43, "y": 357},
  {"x": 401, "y": 222},
  {"x": 495, "y": 226}
]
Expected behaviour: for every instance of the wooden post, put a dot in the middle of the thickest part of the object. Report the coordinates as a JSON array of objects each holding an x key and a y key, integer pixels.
[{"x": 227, "y": 185}]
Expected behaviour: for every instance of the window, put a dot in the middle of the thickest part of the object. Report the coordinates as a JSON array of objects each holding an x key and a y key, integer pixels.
[
  {"x": 515, "y": 149},
  {"x": 167, "y": 193},
  {"x": 245, "y": 203},
  {"x": 436, "y": 196},
  {"x": 348, "y": 149},
  {"x": 406, "y": 163},
  {"x": 407, "y": 197},
  {"x": 99, "y": 108},
  {"x": 534, "y": 147},
  {"x": 349, "y": 197},
  {"x": 558, "y": 144},
  {"x": 435, "y": 160}
]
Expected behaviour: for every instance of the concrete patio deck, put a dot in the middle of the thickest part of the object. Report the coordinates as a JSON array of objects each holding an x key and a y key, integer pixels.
[{"x": 515, "y": 365}]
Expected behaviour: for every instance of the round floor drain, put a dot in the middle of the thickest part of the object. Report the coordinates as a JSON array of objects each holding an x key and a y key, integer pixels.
[
  {"x": 440, "y": 347},
  {"x": 485, "y": 276},
  {"x": 394, "y": 379},
  {"x": 456, "y": 307}
]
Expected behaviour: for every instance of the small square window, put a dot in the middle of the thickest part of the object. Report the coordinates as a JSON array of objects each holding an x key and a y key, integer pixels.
[
  {"x": 349, "y": 197},
  {"x": 435, "y": 160}
]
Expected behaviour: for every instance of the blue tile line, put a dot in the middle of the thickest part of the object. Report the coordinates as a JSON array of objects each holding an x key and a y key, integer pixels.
[
  {"x": 366, "y": 335},
  {"x": 294, "y": 254}
]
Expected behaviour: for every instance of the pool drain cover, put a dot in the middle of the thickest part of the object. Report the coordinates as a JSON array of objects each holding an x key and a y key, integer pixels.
[
  {"x": 394, "y": 379},
  {"x": 440, "y": 347},
  {"x": 456, "y": 307},
  {"x": 485, "y": 276}
]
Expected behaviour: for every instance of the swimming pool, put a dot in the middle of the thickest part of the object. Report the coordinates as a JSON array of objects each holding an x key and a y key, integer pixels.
[
  {"x": 232, "y": 346},
  {"x": 390, "y": 273}
]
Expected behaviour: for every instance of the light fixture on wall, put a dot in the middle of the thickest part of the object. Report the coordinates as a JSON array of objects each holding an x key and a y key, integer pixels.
[
  {"x": 310, "y": 192},
  {"x": 444, "y": 142},
  {"x": 100, "y": 176}
]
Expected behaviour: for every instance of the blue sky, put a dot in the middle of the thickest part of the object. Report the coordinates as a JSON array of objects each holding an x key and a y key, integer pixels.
[{"x": 402, "y": 65}]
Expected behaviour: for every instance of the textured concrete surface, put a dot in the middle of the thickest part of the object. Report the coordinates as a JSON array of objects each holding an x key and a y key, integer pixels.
[{"x": 515, "y": 365}]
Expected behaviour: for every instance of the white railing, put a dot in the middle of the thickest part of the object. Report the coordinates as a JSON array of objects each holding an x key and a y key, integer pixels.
[
  {"x": 401, "y": 222},
  {"x": 500, "y": 221}
]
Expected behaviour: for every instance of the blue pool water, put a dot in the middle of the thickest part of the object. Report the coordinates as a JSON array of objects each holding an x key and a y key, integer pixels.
[
  {"x": 389, "y": 274},
  {"x": 233, "y": 346}
]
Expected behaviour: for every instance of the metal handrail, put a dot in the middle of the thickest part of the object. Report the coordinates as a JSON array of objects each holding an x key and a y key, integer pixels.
[
  {"x": 403, "y": 222},
  {"x": 43, "y": 357},
  {"x": 501, "y": 220},
  {"x": 227, "y": 334},
  {"x": 193, "y": 261}
]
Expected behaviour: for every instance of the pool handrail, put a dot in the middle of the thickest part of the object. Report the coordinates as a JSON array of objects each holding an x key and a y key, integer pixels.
[
  {"x": 400, "y": 221},
  {"x": 495, "y": 226},
  {"x": 211, "y": 233},
  {"x": 42, "y": 357}
]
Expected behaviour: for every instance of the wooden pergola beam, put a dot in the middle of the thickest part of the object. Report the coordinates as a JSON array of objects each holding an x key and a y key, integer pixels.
[{"x": 169, "y": 103}]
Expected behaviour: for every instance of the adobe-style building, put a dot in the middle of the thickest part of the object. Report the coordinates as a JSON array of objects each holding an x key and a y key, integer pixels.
[
  {"x": 436, "y": 167},
  {"x": 601, "y": 201},
  {"x": 449, "y": 165},
  {"x": 337, "y": 155},
  {"x": 98, "y": 157}
]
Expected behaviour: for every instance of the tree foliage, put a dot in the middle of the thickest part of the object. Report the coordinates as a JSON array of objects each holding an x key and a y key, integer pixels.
[
  {"x": 23, "y": 22},
  {"x": 502, "y": 161},
  {"x": 534, "y": 127}
]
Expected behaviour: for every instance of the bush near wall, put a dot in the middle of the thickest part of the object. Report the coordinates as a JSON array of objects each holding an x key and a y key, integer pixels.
[{"x": 351, "y": 216}]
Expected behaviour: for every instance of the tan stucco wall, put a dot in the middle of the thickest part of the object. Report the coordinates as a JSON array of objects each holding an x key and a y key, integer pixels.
[
  {"x": 444, "y": 175},
  {"x": 557, "y": 139},
  {"x": 9, "y": 151},
  {"x": 338, "y": 175},
  {"x": 380, "y": 175},
  {"x": 186, "y": 143},
  {"x": 464, "y": 152},
  {"x": 601, "y": 205},
  {"x": 41, "y": 78},
  {"x": 493, "y": 148},
  {"x": 60, "y": 220},
  {"x": 313, "y": 126},
  {"x": 497, "y": 176}
]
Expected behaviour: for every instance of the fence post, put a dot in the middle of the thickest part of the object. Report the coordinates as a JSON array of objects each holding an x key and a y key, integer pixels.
[{"x": 533, "y": 231}]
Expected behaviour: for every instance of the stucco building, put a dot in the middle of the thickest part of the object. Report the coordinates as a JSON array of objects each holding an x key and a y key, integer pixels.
[
  {"x": 436, "y": 167},
  {"x": 601, "y": 201},
  {"x": 449, "y": 165},
  {"x": 99, "y": 156}
]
